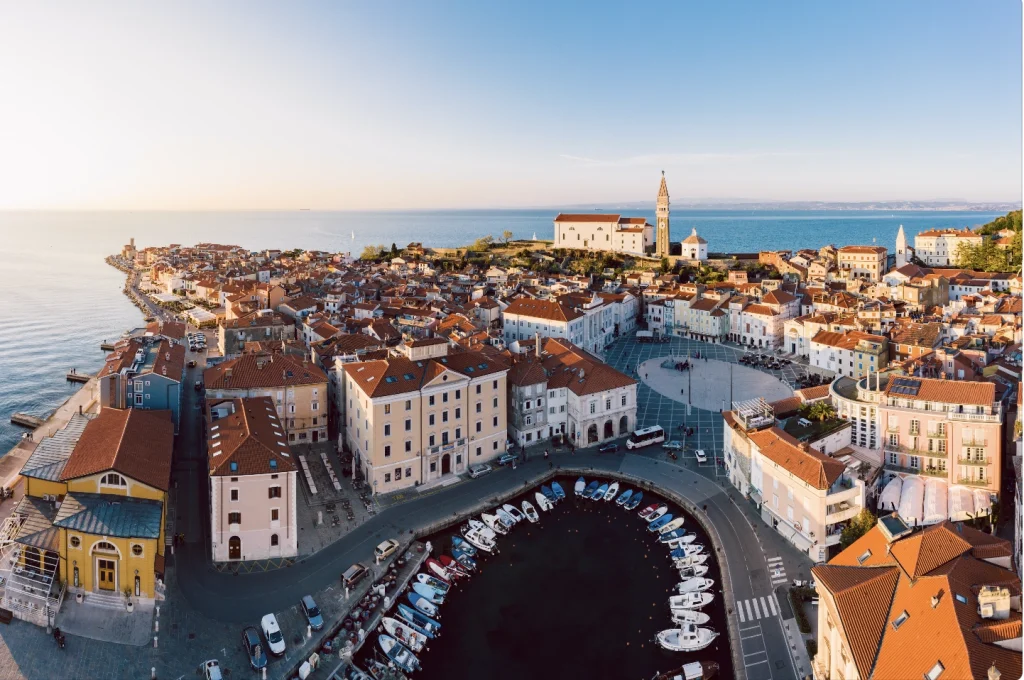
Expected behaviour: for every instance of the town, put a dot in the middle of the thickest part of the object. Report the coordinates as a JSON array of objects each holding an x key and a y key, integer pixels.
[{"x": 851, "y": 408}]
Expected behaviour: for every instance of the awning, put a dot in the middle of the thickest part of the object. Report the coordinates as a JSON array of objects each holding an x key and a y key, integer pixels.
[
  {"x": 755, "y": 496},
  {"x": 801, "y": 541},
  {"x": 786, "y": 530}
]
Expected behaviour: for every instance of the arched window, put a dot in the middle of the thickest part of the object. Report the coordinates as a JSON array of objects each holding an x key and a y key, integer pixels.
[
  {"x": 273, "y": 540},
  {"x": 113, "y": 479},
  {"x": 105, "y": 546}
]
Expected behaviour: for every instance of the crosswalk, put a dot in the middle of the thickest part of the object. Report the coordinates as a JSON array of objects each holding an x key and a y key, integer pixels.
[
  {"x": 776, "y": 570},
  {"x": 756, "y": 608}
]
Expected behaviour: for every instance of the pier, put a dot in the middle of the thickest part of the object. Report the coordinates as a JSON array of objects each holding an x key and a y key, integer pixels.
[
  {"x": 25, "y": 420},
  {"x": 107, "y": 346},
  {"x": 74, "y": 376}
]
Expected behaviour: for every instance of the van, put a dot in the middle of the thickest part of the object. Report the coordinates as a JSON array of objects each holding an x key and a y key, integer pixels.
[{"x": 353, "y": 575}]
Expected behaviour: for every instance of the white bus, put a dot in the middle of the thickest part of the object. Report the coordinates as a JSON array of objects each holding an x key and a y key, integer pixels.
[{"x": 648, "y": 435}]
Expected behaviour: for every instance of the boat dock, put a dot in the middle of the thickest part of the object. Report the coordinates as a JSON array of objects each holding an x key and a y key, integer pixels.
[
  {"x": 25, "y": 420},
  {"x": 74, "y": 376},
  {"x": 107, "y": 346}
]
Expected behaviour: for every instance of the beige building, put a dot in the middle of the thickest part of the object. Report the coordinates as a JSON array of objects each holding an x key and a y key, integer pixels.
[
  {"x": 414, "y": 422},
  {"x": 263, "y": 325},
  {"x": 866, "y": 262},
  {"x": 252, "y": 481},
  {"x": 297, "y": 387}
]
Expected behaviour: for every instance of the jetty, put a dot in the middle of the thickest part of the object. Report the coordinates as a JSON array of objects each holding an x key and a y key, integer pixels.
[
  {"x": 107, "y": 346},
  {"x": 25, "y": 420},
  {"x": 74, "y": 376}
]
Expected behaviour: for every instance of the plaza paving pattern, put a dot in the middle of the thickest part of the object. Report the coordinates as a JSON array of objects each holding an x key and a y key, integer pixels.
[{"x": 206, "y": 608}]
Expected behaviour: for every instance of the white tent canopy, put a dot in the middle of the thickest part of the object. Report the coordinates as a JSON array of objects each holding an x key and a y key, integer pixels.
[
  {"x": 961, "y": 503},
  {"x": 889, "y": 499},
  {"x": 912, "y": 501},
  {"x": 982, "y": 502},
  {"x": 935, "y": 506}
]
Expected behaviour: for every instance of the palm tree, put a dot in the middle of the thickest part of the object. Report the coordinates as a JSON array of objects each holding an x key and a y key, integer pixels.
[{"x": 819, "y": 410}]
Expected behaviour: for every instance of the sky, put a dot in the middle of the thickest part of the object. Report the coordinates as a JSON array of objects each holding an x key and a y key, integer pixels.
[{"x": 414, "y": 105}]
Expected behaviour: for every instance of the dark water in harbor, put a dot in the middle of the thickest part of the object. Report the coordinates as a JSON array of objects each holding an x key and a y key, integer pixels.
[
  {"x": 60, "y": 300},
  {"x": 579, "y": 595}
]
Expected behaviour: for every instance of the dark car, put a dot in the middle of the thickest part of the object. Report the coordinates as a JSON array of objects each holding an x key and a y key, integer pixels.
[
  {"x": 312, "y": 612},
  {"x": 253, "y": 646},
  {"x": 608, "y": 448}
]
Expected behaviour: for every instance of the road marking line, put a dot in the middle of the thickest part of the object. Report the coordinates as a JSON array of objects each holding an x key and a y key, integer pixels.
[
  {"x": 774, "y": 559},
  {"x": 746, "y": 603},
  {"x": 756, "y": 626},
  {"x": 775, "y": 601},
  {"x": 763, "y": 651},
  {"x": 771, "y": 601},
  {"x": 757, "y": 612},
  {"x": 748, "y": 665},
  {"x": 739, "y": 608},
  {"x": 751, "y": 637},
  {"x": 778, "y": 581},
  {"x": 764, "y": 606}
]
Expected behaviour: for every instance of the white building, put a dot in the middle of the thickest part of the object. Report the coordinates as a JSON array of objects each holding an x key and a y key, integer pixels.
[
  {"x": 938, "y": 247},
  {"x": 694, "y": 247},
  {"x": 525, "y": 317},
  {"x": 611, "y": 233}
]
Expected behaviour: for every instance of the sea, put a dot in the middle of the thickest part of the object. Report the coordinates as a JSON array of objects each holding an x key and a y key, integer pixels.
[{"x": 60, "y": 300}]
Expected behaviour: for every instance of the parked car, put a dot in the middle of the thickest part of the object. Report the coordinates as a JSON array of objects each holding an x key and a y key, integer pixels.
[
  {"x": 199, "y": 386},
  {"x": 701, "y": 456},
  {"x": 211, "y": 670},
  {"x": 192, "y": 363},
  {"x": 272, "y": 631},
  {"x": 608, "y": 448},
  {"x": 312, "y": 612},
  {"x": 508, "y": 459},
  {"x": 253, "y": 646},
  {"x": 385, "y": 549},
  {"x": 354, "y": 575},
  {"x": 479, "y": 470},
  {"x": 673, "y": 445}
]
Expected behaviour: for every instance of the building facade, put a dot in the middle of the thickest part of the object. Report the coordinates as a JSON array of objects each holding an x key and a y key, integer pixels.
[
  {"x": 664, "y": 236},
  {"x": 938, "y": 247},
  {"x": 863, "y": 262},
  {"x": 144, "y": 373}
]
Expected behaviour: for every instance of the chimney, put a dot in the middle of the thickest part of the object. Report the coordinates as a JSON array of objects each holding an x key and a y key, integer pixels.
[
  {"x": 993, "y": 672},
  {"x": 536, "y": 341},
  {"x": 936, "y": 598},
  {"x": 79, "y": 409}
]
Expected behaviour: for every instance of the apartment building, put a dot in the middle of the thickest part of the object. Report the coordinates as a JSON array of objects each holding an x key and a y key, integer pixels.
[
  {"x": 851, "y": 353},
  {"x": 863, "y": 262},
  {"x": 252, "y": 484},
  {"x": 297, "y": 387},
  {"x": 415, "y": 422},
  {"x": 263, "y": 325},
  {"x": 938, "y": 247},
  {"x": 525, "y": 317},
  {"x": 761, "y": 324},
  {"x": 936, "y": 603},
  {"x": 144, "y": 373}
]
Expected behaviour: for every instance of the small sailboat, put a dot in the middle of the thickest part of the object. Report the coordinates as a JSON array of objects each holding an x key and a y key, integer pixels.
[
  {"x": 559, "y": 492},
  {"x": 658, "y": 514},
  {"x": 530, "y": 512},
  {"x": 686, "y": 638},
  {"x": 404, "y": 633},
  {"x": 454, "y": 567},
  {"x": 463, "y": 545},
  {"x": 689, "y": 616},
  {"x": 477, "y": 539},
  {"x": 549, "y": 494},
  {"x": 421, "y": 621},
  {"x": 692, "y": 572},
  {"x": 398, "y": 653},
  {"x": 634, "y": 501},
  {"x": 599, "y": 494},
  {"x": 434, "y": 582},
  {"x": 684, "y": 559},
  {"x": 671, "y": 526},
  {"x": 464, "y": 559},
  {"x": 438, "y": 570},
  {"x": 423, "y": 604},
  {"x": 494, "y": 524},
  {"x": 591, "y": 489},
  {"x": 648, "y": 511},
  {"x": 581, "y": 484},
  {"x": 513, "y": 512},
  {"x": 353, "y": 234},
  {"x": 625, "y": 496},
  {"x": 694, "y": 585},
  {"x": 676, "y": 535},
  {"x": 612, "y": 491},
  {"x": 506, "y": 519},
  {"x": 542, "y": 502},
  {"x": 690, "y": 600},
  {"x": 434, "y": 595}
]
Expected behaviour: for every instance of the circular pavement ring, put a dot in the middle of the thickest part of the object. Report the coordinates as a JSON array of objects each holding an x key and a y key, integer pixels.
[{"x": 708, "y": 382}]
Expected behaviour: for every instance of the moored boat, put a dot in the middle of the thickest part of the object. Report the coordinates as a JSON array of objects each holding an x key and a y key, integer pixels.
[
  {"x": 691, "y": 572},
  {"x": 648, "y": 511},
  {"x": 437, "y": 569},
  {"x": 623, "y": 497},
  {"x": 581, "y": 484},
  {"x": 599, "y": 494},
  {"x": 494, "y": 524},
  {"x": 684, "y": 559},
  {"x": 542, "y": 502},
  {"x": 454, "y": 567},
  {"x": 350, "y": 672},
  {"x": 696, "y": 670},
  {"x": 658, "y": 513},
  {"x": 423, "y": 604},
  {"x": 686, "y": 638},
  {"x": 419, "y": 620},
  {"x": 677, "y": 535},
  {"x": 433, "y": 594},
  {"x": 658, "y": 521},
  {"x": 691, "y": 600},
  {"x": 612, "y": 491},
  {"x": 433, "y": 582},
  {"x": 513, "y": 512},
  {"x": 464, "y": 545},
  {"x": 697, "y": 584},
  {"x": 549, "y": 494},
  {"x": 689, "y": 616},
  {"x": 591, "y": 488},
  {"x": 478, "y": 540},
  {"x": 692, "y": 548},
  {"x": 483, "y": 529},
  {"x": 398, "y": 653},
  {"x": 382, "y": 671},
  {"x": 634, "y": 501},
  {"x": 464, "y": 559},
  {"x": 557, "y": 489},
  {"x": 505, "y": 518},
  {"x": 404, "y": 633},
  {"x": 671, "y": 526},
  {"x": 530, "y": 512}
]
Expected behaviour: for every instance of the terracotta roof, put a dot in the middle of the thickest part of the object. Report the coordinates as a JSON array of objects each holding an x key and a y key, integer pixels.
[
  {"x": 250, "y": 436},
  {"x": 586, "y": 217},
  {"x": 263, "y": 370},
  {"x": 135, "y": 442},
  {"x": 946, "y": 391},
  {"x": 258, "y": 319},
  {"x": 783, "y": 449},
  {"x": 542, "y": 309},
  {"x": 925, "y": 550},
  {"x": 398, "y": 375},
  {"x": 572, "y": 367}
]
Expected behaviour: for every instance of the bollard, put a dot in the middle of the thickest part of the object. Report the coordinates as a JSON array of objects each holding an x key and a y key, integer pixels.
[
  {"x": 158, "y": 611},
  {"x": 154, "y": 642},
  {"x": 309, "y": 632},
  {"x": 152, "y": 673},
  {"x": 156, "y": 626},
  {"x": 264, "y": 673}
]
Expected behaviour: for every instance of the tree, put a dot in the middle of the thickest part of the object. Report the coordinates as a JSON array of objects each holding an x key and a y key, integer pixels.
[
  {"x": 506, "y": 236},
  {"x": 665, "y": 265},
  {"x": 857, "y": 527},
  {"x": 373, "y": 252},
  {"x": 482, "y": 243},
  {"x": 818, "y": 410},
  {"x": 394, "y": 250}
]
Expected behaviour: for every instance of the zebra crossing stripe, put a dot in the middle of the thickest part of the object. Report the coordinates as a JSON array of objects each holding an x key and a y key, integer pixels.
[
  {"x": 757, "y": 612},
  {"x": 774, "y": 559},
  {"x": 764, "y": 607},
  {"x": 775, "y": 602},
  {"x": 739, "y": 608},
  {"x": 746, "y": 603},
  {"x": 771, "y": 602}
]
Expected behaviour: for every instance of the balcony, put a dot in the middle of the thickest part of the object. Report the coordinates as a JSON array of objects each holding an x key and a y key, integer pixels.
[
  {"x": 936, "y": 435},
  {"x": 974, "y": 461},
  {"x": 845, "y": 511},
  {"x": 975, "y": 417},
  {"x": 443, "y": 448},
  {"x": 980, "y": 443},
  {"x": 973, "y": 482},
  {"x": 893, "y": 429},
  {"x": 900, "y": 448},
  {"x": 926, "y": 471}
]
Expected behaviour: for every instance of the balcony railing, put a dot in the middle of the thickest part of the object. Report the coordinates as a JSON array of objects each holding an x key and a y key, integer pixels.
[
  {"x": 927, "y": 471},
  {"x": 972, "y": 482},
  {"x": 974, "y": 442},
  {"x": 447, "y": 447},
  {"x": 936, "y": 435},
  {"x": 974, "y": 417},
  {"x": 974, "y": 461},
  {"x": 900, "y": 448}
]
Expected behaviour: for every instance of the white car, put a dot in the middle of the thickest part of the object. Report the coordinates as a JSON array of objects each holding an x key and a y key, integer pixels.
[
  {"x": 701, "y": 456},
  {"x": 479, "y": 470},
  {"x": 272, "y": 631},
  {"x": 672, "y": 446},
  {"x": 211, "y": 670}
]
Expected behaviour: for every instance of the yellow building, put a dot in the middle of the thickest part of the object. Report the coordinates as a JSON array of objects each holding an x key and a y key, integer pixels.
[{"x": 92, "y": 520}]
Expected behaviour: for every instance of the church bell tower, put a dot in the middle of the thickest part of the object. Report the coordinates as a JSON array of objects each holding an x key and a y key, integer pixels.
[{"x": 661, "y": 243}]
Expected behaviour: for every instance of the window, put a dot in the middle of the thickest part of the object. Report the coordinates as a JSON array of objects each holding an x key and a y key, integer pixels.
[
  {"x": 408, "y": 446},
  {"x": 431, "y": 400},
  {"x": 479, "y": 407},
  {"x": 775, "y": 500},
  {"x": 387, "y": 409},
  {"x": 444, "y": 397},
  {"x": 234, "y": 518},
  {"x": 458, "y": 413},
  {"x": 458, "y": 394},
  {"x": 137, "y": 549},
  {"x": 431, "y": 441},
  {"x": 478, "y": 451},
  {"x": 408, "y": 472},
  {"x": 495, "y": 402},
  {"x": 408, "y": 424},
  {"x": 593, "y": 407},
  {"x": 495, "y": 421},
  {"x": 478, "y": 389},
  {"x": 234, "y": 494},
  {"x": 408, "y": 404},
  {"x": 387, "y": 451},
  {"x": 623, "y": 399},
  {"x": 398, "y": 474},
  {"x": 444, "y": 416},
  {"x": 494, "y": 445},
  {"x": 900, "y": 620},
  {"x": 113, "y": 479},
  {"x": 430, "y": 419},
  {"x": 273, "y": 540},
  {"x": 274, "y": 492},
  {"x": 387, "y": 429},
  {"x": 458, "y": 433},
  {"x": 76, "y": 542},
  {"x": 387, "y": 477},
  {"x": 960, "y": 598},
  {"x": 494, "y": 385}
]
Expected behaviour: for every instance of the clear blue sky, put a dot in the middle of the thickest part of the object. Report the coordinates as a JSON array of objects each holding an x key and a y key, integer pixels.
[{"x": 479, "y": 104}]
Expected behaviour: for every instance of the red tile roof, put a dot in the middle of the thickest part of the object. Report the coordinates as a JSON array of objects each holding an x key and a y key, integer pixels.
[
  {"x": 135, "y": 442},
  {"x": 263, "y": 370},
  {"x": 250, "y": 436},
  {"x": 783, "y": 449}
]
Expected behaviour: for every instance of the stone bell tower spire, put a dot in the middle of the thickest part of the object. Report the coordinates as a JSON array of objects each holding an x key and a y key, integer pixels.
[{"x": 661, "y": 247}]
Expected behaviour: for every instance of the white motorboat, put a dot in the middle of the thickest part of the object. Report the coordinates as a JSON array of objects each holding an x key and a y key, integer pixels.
[
  {"x": 483, "y": 529},
  {"x": 657, "y": 514},
  {"x": 542, "y": 502},
  {"x": 686, "y": 638},
  {"x": 690, "y": 560},
  {"x": 612, "y": 491},
  {"x": 513, "y": 512},
  {"x": 581, "y": 484},
  {"x": 505, "y": 518},
  {"x": 477, "y": 539},
  {"x": 677, "y": 541},
  {"x": 690, "y": 616},
  {"x": 494, "y": 524},
  {"x": 530, "y": 512},
  {"x": 692, "y": 572},
  {"x": 698, "y": 584},
  {"x": 690, "y": 600},
  {"x": 687, "y": 548},
  {"x": 405, "y": 634},
  {"x": 671, "y": 526}
]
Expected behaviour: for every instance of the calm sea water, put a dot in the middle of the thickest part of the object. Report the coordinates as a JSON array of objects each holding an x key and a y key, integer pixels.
[
  {"x": 579, "y": 595},
  {"x": 61, "y": 300}
]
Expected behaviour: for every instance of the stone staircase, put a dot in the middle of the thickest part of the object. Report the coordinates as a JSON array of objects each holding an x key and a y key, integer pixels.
[{"x": 105, "y": 600}]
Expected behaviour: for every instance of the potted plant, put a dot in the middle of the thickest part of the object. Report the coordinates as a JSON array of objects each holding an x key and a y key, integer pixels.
[{"x": 128, "y": 599}]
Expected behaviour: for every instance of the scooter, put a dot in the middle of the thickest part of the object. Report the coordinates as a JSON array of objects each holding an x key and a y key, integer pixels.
[{"x": 59, "y": 637}]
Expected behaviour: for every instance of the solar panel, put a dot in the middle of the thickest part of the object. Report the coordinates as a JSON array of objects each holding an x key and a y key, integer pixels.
[{"x": 906, "y": 386}]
